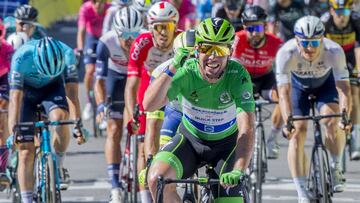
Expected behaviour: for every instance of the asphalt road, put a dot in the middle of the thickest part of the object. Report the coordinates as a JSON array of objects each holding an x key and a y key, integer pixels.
[{"x": 88, "y": 174}]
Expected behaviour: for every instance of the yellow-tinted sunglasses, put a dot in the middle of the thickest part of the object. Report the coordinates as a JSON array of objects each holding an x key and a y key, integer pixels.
[
  {"x": 167, "y": 26},
  {"x": 217, "y": 50}
]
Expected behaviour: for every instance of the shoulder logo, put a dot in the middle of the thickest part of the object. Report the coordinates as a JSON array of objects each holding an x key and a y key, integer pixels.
[
  {"x": 246, "y": 95},
  {"x": 225, "y": 98}
]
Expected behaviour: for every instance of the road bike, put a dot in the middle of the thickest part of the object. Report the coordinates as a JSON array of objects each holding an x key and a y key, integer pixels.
[
  {"x": 319, "y": 181},
  {"x": 128, "y": 166},
  {"x": 258, "y": 166},
  {"x": 47, "y": 177},
  {"x": 205, "y": 183}
]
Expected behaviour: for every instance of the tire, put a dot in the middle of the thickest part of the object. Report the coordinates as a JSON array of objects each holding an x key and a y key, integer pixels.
[
  {"x": 322, "y": 180},
  {"x": 50, "y": 192},
  {"x": 257, "y": 167},
  {"x": 133, "y": 169}
]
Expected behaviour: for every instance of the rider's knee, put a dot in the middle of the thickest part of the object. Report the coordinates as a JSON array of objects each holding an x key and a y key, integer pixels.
[
  {"x": 58, "y": 114},
  {"x": 153, "y": 176},
  {"x": 25, "y": 152}
]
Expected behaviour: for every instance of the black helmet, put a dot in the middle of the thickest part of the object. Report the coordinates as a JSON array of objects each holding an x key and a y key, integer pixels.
[
  {"x": 253, "y": 14},
  {"x": 26, "y": 13}
]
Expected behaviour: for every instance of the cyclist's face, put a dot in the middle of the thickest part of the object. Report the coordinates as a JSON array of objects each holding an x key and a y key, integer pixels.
[
  {"x": 309, "y": 48},
  {"x": 28, "y": 28},
  {"x": 255, "y": 32},
  {"x": 212, "y": 61},
  {"x": 341, "y": 17},
  {"x": 99, "y": 5},
  {"x": 163, "y": 33},
  {"x": 126, "y": 44}
]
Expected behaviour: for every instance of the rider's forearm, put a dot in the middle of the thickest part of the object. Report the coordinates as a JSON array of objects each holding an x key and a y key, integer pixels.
[
  {"x": 132, "y": 84},
  {"x": 15, "y": 102},
  {"x": 344, "y": 91},
  {"x": 80, "y": 38},
  {"x": 285, "y": 101},
  {"x": 155, "y": 95},
  {"x": 245, "y": 140},
  {"x": 73, "y": 99},
  {"x": 99, "y": 89}
]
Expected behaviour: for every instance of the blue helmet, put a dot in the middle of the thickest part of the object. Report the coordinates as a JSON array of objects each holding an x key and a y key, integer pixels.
[{"x": 48, "y": 57}]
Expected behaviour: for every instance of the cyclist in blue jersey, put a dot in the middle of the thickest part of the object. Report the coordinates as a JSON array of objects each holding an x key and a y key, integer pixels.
[
  {"x": 25, "y": 20},
  {"x": 42, "y": 72}
]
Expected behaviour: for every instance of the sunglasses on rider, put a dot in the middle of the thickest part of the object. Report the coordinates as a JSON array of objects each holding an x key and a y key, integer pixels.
[
  {"x": 25, "y": 24},
  {"x": 128, "y": 35},
  {"x": 167, "y": 26},
  {"x": 211, "y": 49},
  {"x": 312, "y": 42},
  {"x": 343, "y": 11},
  {"x": 256, "y": 28}
]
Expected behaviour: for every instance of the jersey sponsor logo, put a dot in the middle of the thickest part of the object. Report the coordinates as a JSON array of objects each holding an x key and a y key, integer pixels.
[
  {"x": 58, "y": 98},
  {"x": 244, "y": 80},
  {"x": 209, "y": 128},
  {"x": 246, "y": 95},
  {"x": 225, "y": 98},
  {"x": 194, "y": 96},
  {"x": 255, "y": 63},
  {"x": 138, "y": 46}
]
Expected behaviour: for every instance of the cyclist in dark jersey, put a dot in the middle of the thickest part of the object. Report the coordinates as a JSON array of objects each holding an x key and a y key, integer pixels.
[
  {"x": 283, "y": 15},
  {"x": 318, "y": 7},
  {"x": 343, "y": 26},
  {"x": 231, "y": 11}
]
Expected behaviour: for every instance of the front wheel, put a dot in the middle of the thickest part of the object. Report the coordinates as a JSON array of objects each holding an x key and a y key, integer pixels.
[
  {"x": 257, "y": 171},
  {"x": 49, "y": 190},
  {"x": 319, "y": 176}
]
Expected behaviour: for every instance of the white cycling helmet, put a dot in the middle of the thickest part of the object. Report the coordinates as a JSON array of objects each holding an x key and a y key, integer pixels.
[
  {"x": 309, "y": 27},
  {"x": 185, "y": 40},
  {"x": 162, "y": 11},
  {"x": 17, "y": 39},
  {"x": 128, "y": 19},
  {"x": 143, "y": 5}
]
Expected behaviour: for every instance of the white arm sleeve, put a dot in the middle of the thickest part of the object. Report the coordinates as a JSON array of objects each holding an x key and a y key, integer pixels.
[
  {"x": 338, "y": 59},
  {"x": 283, "y": 65}
]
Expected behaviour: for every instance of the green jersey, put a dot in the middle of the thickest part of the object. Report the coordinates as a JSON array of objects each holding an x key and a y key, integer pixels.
[{"x": 210, "y": 109}]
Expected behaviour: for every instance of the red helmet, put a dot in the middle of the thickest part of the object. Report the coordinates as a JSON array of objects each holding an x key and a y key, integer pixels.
[{"x": 2, "y": 30}]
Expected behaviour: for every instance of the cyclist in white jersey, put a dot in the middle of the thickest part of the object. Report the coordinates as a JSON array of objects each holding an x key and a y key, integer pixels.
[
  {"x": 312, "y": 64},
  {"x": 116, "y": 5},
  {"x": 111, "y": 73}
]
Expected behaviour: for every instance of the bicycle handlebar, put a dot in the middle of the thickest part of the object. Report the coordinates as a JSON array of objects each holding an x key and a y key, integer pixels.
[
  {"x": 38, "y": 124},
  {"x": 290, "y": 122},
  {"x": 198, "y": 181}
]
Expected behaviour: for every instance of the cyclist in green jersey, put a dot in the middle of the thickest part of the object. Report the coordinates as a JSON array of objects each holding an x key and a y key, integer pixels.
[{"x": 217, "y": 102}]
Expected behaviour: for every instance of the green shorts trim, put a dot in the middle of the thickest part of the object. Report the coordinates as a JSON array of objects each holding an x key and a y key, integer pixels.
[
  {"x": 229, "y": 200},
  {"x": 172, "y": 160}
]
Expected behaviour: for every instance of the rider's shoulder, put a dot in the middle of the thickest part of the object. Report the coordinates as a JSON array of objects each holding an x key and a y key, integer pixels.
[
  {"x": 331, "y": 47},
  {"x": 289, "y": 47},
  {"x": 234, "y": 68},
  {"x": 355, "y": 16},
  {"x": 24, "y": 54},
  {"x": 109, "y": 36}
]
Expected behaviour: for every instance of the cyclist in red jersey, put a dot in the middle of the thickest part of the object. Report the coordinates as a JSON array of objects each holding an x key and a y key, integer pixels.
[
  {"x": 149, "y": 50},
  {"x": 256, "y": 49},
  {"x": 90, "y": 22}
]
